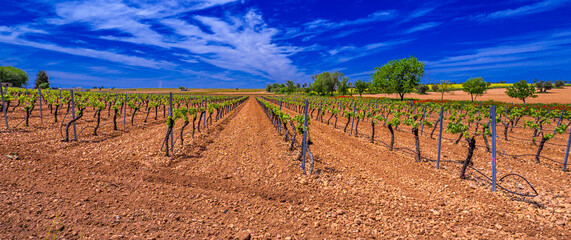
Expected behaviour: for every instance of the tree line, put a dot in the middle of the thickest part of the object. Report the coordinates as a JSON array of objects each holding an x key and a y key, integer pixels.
[
  {"x": 18, "y": 78},
  {"x": 402, "y": 76}
]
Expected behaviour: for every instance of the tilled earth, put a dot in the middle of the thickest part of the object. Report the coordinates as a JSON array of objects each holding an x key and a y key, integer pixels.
[{"x": 238, "y": 180}]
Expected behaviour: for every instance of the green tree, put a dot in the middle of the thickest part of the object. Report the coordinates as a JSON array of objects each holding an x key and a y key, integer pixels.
[
  {"x": 317, "y": 84},
  {"x": 361, "y": 86},
  {"x": 475, "y": 87},
  {"x": 422, "y": 88},
  {"x": 42, "y": 80},
  {"x": 521, "y": 90},
  {"x": 13, "y": 75},
  {"x": 547, "y": 85},
  {"x": 398, "y": 76},
  {"x": 443, "y": 87},
  {"x": 344, "y": 85},
  {"x": 290, "y": 86},
  {"x": 543, "y": 86},
  {"x": 276, "y": 87},
  {"x": 325, "y": 82},
  {"x": 332, "y": 81}
]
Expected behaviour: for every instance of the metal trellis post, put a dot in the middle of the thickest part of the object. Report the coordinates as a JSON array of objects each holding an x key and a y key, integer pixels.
[
  {"x": 73, "y": 114},
  {"x": 205, "y": 113},
  {"x": 125, "y": 111},
  {"x": 493, "y": 119},
  {"x": 304, "y": 140},
  {"x": 423, "y": 118},
  {"x": 170, "y": 115},
  {"x": 559, "y": 121},
  {"x": 41, "y": 113},
  {"x": 567, "y": 152},
  {"x": 353, "y": 120},
  {"x": 440, "y": 137},
  {"x": 4, "y": 106}
]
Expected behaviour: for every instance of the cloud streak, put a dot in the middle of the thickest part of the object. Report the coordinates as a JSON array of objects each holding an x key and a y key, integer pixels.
[
  {"x": 551, "y": 50},
  {"x": 422, "y": 27},
  {"x": 538, "y": 7},
  {"x": 319, "y": 26},
  {"x": 12, "y": 36},
  {"x": 350, "y": 52}
]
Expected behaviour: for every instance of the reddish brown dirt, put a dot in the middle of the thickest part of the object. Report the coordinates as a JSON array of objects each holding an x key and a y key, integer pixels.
[
  {"x": 561, "y": 95},
  {"x": 238, "y": 179}
]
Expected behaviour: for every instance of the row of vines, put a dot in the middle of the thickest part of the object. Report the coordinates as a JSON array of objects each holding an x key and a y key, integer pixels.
[
  {"x": 299, "y": 125},
  {"x": 66, "y": 108},
  {"x": 525, "y": 126}
]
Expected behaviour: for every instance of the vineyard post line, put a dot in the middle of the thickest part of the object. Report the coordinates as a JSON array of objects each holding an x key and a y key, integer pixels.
[
  {"x": 353, "y": 120},
  {"x": 368, "y": 110},
  {"x": 41, "y": 114},
  {"x": 170, "y": 115},
  {"x": 439, "y": 137},
  {"x": 320, "y": 113},
  {"x": 304, "y": 139},
  {"x": 4, "y": 106},
  {"x": 73, "y": 114},
  {"x": 493, "y": 119},
  {"x": 125, "y": 111},
  {"x": 59, "y": 98},
  {"x": 205, "y": 110},
  {"x": 559, "y": 121},
  {"x": 506, "y": 115},
  {"x": 567, "y": 152},
  {"x": 423, "y": 117}
]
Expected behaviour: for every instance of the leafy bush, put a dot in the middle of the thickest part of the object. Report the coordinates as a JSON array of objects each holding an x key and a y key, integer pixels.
[
  {"x": 475, "y": 87},
  {"x": 543, "y": 86},
  {"x": 421, "y": 88},
  {"x": 521, "y": 90},
  {"x": 559, "y": 83},
  {"x": 548, "y": 85},
  {"x": 361, "y": 86}
]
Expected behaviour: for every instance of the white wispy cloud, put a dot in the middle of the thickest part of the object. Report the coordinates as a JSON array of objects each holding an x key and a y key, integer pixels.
[
  {"x": 422, "y": 27},
  {"x": 363, "y": 75},
  {"x": 13, "y": 35},
  {"x": 234, "y": 42},
  {"x": 320, "y": 26},
  {"x": 538, "y": 7},
  {"x": 421, "y": 12},
  {"x": 418, "y": 13},
  {"x": 373, "y": 17},
  {"x": 510, "y": 54},
  {"x": 350, "y": 52}
]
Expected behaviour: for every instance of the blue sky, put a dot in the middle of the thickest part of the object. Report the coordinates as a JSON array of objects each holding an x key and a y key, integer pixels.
[{"x": 248, "y": 44}]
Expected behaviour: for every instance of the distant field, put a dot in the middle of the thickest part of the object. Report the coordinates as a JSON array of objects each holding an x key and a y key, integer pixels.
[
  {"x": 556, "y": 95},
  {"x": 221, "y": 91},
  {"x": 458, "y": 86}
]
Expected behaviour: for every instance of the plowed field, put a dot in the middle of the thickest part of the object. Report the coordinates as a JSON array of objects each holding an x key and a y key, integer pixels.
[{"x": 238, "y": 180}]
